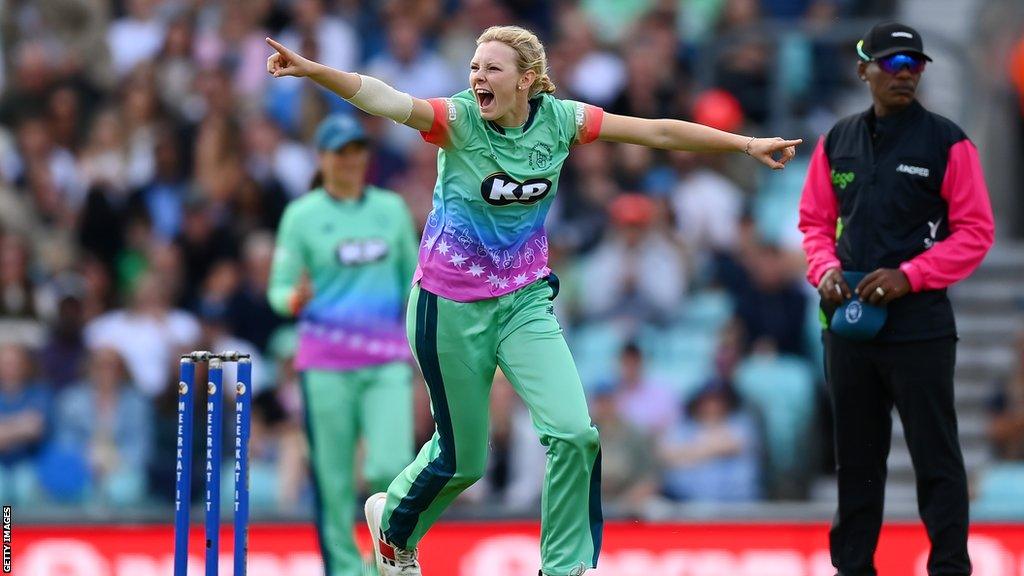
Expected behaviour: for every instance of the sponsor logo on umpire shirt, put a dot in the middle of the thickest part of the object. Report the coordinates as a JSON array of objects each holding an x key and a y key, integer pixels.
[
  {"x": 842, "y": 179},
  {"x": 913, "y": 170}
]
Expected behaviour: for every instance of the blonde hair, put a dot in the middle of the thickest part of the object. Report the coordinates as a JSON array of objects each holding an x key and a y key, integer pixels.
[{"x": 530, "y": 53}]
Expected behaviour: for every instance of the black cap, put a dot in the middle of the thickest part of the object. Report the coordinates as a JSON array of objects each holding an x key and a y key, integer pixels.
[{"x": 890, "y": 38}]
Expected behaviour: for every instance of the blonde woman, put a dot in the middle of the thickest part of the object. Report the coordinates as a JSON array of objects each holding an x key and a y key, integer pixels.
[{"x": 482, "y": 291}]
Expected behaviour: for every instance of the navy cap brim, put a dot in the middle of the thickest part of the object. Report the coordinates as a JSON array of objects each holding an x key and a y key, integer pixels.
[{"x": 337, "y": 143}]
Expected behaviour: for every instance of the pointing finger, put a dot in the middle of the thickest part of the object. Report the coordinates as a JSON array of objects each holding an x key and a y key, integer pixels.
[{"x": 278, "y": 46}]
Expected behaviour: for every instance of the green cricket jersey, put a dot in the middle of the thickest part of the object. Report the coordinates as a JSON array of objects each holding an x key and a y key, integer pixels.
[
  {"x": 485, "y": 235},
  {"x": 360, "y": 256}
]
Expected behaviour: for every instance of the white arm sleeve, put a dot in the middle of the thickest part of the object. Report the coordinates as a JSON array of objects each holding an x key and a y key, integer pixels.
[{"x": 377, "y": 98}]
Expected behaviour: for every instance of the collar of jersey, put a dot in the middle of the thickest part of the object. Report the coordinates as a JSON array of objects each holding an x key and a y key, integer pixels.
[
  {"x": 534, "y": 106},
  {"x": 893, "y": 121},
  {"x": 360, "y": 200}
]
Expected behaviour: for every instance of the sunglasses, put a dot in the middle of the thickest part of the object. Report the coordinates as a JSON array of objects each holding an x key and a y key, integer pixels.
[{"x": 893, "y": 64}]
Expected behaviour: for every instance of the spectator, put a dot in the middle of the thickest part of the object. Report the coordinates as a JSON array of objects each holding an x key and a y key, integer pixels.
[
  {"x": 175, "y": 70},
  {"x": 62, "y": 356},
  {"x": 275, "y": 161},
  {"x": 743, "y": 67},
  {"x": 612, "y": 19},
  {"x": 107, "y": 421},
  {"x": 215, "y": 334},
  {"x": 48, "y": 171},
  {"x": 34, "y": 76},
  {"x": 71, "y": 30},
  {"x": 713, "y": 454},
  {"x": 99, "y": 287},
  {"x": 17, "y": 295},
  {"x": 1006, "y": 428},
  {"x": 142, "y": 114},
  {"x": 135, "y": 37},
  {"x": 629, "y": 468},
  {"x": 580, "y": 213},
  {"x": 236, "y": 41},
  {"x": 148, "y": 334},
  {"x": 103, "y": 162},
  {"x": 593, "y": 74},
  {"x": 411, "y": 67},
  {"x": 768, "y": 300},
  {"x": 65, "y": 114},
  {"x": 162, "y": 198},
  {"x": 649, "y": 82},
  {"x": 277, "y": 467},
  {"x": 621, "y": 268},
  {"x": 642, "y": 403},
  {"x": 25, "y": 408},
  {"x": 706, "y": 204},
  {"x": 218, "y": 155},
  {"x": 202, "y": 241},
  {"x": 287, "y": 389},
  {"x": 336, "y": 41},
  {"x": 248, "y": 310}
]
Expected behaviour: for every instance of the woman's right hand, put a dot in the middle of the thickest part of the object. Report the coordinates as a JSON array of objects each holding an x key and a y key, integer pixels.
[
  {"x": 833, "y": 288},
  {"x": 302, "y": 294},
  {"x": 286, "y": 62}
]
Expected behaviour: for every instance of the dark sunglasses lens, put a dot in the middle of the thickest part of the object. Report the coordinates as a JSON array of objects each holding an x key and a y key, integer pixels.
[{"x": 893, "y": 64}]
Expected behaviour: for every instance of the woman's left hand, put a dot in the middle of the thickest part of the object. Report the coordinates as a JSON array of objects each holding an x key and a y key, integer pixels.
[{"x": 765, "y": 150}]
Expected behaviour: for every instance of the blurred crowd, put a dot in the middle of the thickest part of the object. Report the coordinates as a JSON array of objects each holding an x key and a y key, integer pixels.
[{"x": 146, "y": 158}]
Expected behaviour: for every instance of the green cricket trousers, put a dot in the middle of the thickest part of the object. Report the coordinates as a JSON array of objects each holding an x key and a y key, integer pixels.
[
  {"x": 458, "y": 346},
  {"x": 372, "y": 403}
]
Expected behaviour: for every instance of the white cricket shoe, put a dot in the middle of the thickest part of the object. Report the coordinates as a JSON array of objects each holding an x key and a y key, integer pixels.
[{"x": 391, "y": 560}]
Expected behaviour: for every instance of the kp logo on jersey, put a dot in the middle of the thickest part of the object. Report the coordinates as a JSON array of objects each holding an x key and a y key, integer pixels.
[
  {"x": 362, "y": 251},
  {"x": 501, "y": 190}
]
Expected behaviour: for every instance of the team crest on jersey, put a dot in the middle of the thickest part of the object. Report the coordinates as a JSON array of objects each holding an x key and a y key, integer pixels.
[
  {"x": 362, "y": 251},
  {"x": 501, "y": 190},
  {"x": 540, "y": 156}
]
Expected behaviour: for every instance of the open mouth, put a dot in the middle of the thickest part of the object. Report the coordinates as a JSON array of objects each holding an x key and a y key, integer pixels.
[{"x": 484, "y": 97}]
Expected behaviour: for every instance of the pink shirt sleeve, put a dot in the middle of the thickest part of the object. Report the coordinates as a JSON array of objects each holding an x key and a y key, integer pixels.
[
  {"x": 971, "y": 227},
  {"x": 819, "y": 212}
]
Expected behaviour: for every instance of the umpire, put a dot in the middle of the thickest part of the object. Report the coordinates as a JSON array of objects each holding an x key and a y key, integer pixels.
[{"x": 894, "y": 206}]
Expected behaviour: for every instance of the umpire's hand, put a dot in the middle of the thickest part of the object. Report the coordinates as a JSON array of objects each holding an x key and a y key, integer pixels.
[
  {"x": 833, "y": 288},
  {"x": 883, "y": 286}
]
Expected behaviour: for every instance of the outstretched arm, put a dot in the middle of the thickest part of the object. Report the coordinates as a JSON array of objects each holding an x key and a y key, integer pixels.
[
  {"x": 364, "y": 92},
  {"x": 679, "y": 135}
]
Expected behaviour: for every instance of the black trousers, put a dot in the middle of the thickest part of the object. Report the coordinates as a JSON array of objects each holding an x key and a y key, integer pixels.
[{"x": 866, "y": 380}]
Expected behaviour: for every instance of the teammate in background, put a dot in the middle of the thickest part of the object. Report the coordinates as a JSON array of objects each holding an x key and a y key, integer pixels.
[
  {"x": 894, "y": 211},
  {"x": 483, "y": 290},
  {"x": 345, "y": 257}
]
